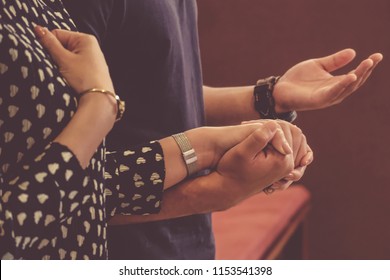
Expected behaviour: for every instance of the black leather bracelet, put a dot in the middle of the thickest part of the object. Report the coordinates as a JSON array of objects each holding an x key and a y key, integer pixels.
[{"x": 265, "y": 102}]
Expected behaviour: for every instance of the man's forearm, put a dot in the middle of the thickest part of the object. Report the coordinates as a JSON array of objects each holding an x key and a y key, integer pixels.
[
  {"x": 195, "y": 196},
  {"x": 230, "y": 105}
]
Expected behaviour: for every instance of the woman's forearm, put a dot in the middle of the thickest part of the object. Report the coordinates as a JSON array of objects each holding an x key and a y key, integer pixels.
[
  {"x": 209, "y": 143},
  {"x": 92, "y": 121}
]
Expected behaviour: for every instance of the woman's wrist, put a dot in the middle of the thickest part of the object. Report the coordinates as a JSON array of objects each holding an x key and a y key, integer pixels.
[
  {"x": 94, "y": 118},
  {"x": 120, "y": 104},
  {"x": 204, "y": 144},
  {"x": 176, "y": 168},
  {"x": 103, "y": 105}
]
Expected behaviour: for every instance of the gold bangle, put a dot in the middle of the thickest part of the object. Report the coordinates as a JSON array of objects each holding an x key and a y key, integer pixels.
[{"x": 120, "y": 104}]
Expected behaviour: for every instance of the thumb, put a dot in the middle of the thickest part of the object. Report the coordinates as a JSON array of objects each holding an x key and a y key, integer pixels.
[
  {"x": 258, "y": 140},
  {"x": 337, "y": 60},
  {"x": 50, "y": 42}
]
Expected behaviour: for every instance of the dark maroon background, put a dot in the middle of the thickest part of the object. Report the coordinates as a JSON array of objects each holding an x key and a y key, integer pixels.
[{"x": 243, "y": 40}]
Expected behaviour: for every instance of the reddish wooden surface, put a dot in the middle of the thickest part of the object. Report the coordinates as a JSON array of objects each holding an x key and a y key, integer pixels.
[{"x": 260, "y": 226}]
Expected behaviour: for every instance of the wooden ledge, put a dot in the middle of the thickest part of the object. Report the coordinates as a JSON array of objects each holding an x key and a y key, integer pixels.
[{"x": 261, "y": 226}]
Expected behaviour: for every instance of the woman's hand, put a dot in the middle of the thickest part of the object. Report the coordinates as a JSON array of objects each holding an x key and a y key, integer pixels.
[
  {"x": 211, "y": 143},
  {"x": 82, "y": 64},
  {"x": 78, "y": 57}
]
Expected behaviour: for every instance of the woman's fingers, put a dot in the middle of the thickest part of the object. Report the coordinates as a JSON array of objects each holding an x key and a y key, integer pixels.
[
  {"x": 49, "y": 41},
  {"x": 79, "y": 58},
  {"x": 296, "y": 174}
]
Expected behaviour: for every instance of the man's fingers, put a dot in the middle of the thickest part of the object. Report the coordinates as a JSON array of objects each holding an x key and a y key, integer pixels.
[
  {"x": 362, "y": 72},
  {"x": 339, "y": 87},
  {"x": 282, "y": 185},
  {"x": 376, "y": 58},
  {"x": 280, "y": 143},
  {"x": 261, "y": 121},
  {"x": 51, "y": 43},
  {"x": 307, "y": 159},
  {"x": 335, "y": 61},
  {"x": 295, "y": 175},
  {"x": 284, "y": 147},
  {"x": 301, "y": 149},
  {"x": 260, "y": 138}
]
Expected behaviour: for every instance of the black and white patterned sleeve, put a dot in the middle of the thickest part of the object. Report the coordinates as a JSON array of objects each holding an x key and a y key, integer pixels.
[
  {"x": 37, "y": 200},
  {"x": 135, "y": 180}
]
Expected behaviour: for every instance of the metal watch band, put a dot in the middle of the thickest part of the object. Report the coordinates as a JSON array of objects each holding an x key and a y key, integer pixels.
[{"x": 188, "y": 153}]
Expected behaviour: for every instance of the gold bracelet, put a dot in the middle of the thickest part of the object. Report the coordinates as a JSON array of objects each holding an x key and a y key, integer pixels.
[{"x": 121, "y": 104}]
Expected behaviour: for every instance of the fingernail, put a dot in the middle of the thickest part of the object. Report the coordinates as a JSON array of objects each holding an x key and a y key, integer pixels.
[
  {"x": 286, "y": 148},
  {"x": 40, "y": 31},
  {"x": 269, "y": 190},
  {"x": 307, "y": 162}
]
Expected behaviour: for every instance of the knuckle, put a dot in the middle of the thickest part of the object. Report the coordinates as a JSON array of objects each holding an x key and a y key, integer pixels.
[
  {"x": 272, "y": 124},
  {"x": 88, "y": 38},
  {"x": 282, "y": 122},
  {"x": 92, "y": 39},
  {"x": 296, "y": 129}
]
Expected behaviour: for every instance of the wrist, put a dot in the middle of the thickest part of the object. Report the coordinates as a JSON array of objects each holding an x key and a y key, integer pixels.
[
  {"x": 218, "y": 193},
  {"x": 102, "y": 106},
  {"x": 120, "y": 105},
  {"x": 204, "y": 146},
  {"x": 207, "y": 194}
]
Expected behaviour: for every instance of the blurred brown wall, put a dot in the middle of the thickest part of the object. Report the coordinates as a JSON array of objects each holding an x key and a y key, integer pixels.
[{"x": 243, "y": 40}]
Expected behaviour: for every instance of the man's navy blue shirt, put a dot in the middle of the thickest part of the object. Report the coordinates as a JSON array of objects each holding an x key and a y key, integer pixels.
[{"x": 152, "y": 50}]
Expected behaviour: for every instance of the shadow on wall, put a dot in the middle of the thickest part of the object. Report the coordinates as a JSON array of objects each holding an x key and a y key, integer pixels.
[{"x": 244, "y": 40}]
